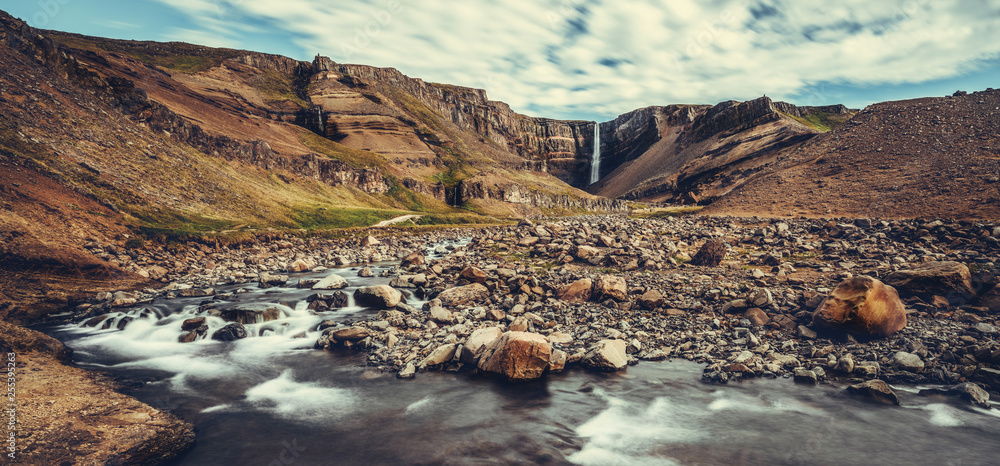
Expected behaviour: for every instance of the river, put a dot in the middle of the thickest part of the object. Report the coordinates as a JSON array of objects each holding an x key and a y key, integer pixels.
[{"x": 273, "y": 399}]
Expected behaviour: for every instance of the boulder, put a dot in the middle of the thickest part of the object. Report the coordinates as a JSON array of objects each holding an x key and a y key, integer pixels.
[
  {"x": 862, "y": 306},
  {"x": 350, "y": 334},
  {"x": 441, "y": 355},
  {"x": 908, "y": 361},
  {"x": 231, "y": 332},
  {"x": 331, "y": 282},
  {"x": 651, "y": 300},
  {"x": 474, "y": 275},
  {"x": 607, "y": 356},
  {"x": 610, "y": 287},
  {"x": 193, "y": 323},
  {"x": 414, "y": 258},
  {"x": 585, "y": 252},
  {"x": 464, "y": 295},
  {"x": 805, "y": 376},
  {"x": 991, "y": 300},
  {"x": 517, "y": 356},
  {"x": 301, "y": 265},
  {"x": 710, "y": 254},
  {"x": 576, "y": 292},
  {"x": 251, "y": 314},
  {"x": 756, "y": 316},
  {"x": 268, "y": 280},
  {"x": 874, "y": 390},
  {"x": 365, "y": 272},
  {"x": 378, "y": 296},
  {"x": 944, "y": 278},
  {"x": 441, "y": 315},
  {"x": 479, "y": 341},
  {"x": 369, "y": 241},
  {"x": 196, "y": 292},
  {"x": 968, "y": 391}
]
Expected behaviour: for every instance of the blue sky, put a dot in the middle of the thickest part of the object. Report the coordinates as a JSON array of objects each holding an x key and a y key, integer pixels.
[{"x": 594, "y": 59}]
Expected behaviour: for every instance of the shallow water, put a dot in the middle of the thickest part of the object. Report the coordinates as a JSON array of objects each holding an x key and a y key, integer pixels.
[{"x": 273, "y": 399}]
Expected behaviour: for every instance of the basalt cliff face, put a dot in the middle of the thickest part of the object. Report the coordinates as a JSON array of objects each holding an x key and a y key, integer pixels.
[{"x": 697, "y": 153}]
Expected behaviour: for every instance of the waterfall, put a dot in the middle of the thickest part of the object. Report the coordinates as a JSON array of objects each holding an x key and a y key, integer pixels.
[
  {"x": 319, "y": 116},
  {"x": 595, "y": 158}
]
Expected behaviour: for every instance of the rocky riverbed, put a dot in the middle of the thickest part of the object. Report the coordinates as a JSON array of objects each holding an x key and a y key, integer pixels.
[{"x": 604, "y": 292}]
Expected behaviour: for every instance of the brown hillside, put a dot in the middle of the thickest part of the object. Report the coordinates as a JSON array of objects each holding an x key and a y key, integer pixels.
[{"x": 930, "y": 157}]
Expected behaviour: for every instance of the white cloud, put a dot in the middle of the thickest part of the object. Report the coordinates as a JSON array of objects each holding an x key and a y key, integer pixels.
[{"x": 677, "y": 51}]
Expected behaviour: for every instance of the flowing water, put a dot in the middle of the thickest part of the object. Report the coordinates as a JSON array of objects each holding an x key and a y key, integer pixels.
[
  {"x": 595, "y": 158},
  {"x": 273, "y": 399}
]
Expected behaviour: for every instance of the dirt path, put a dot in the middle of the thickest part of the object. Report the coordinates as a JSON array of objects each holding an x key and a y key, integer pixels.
[{"x": 400, "y": 219}]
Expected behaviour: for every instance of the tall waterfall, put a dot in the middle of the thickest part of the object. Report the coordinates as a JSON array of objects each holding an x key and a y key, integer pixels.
[{"x": 595, "y": 158}]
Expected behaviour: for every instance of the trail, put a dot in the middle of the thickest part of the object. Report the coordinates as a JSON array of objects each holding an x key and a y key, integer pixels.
[{"x": 393, "y": 221}]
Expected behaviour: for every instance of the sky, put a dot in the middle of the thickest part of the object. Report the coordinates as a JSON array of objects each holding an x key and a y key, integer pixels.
[{"x": 594, "y": 59}]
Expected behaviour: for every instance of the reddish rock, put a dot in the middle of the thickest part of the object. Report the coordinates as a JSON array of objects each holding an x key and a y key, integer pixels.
[
  {"x": 862, "y": 306},
  {"x": 474, "y": 275},
  {"x": 517, "y": 356},
  {"x": 951, "y": 280},
  {"x": 464, "y": 295},
  {"x": 576, "y": 292},
  {"x": 415, "y": 258},
  {"x": 710, "y": 254},
  {"x": 610, "y": 287}
]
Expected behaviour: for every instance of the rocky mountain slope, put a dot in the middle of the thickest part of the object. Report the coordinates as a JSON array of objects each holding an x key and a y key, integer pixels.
[
  {"x": 695, "y": 153},
  {"x": 930, "y": 157}
]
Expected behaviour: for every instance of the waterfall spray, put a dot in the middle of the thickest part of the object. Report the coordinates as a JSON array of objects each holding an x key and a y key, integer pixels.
[{"x": 595, "y": 160}]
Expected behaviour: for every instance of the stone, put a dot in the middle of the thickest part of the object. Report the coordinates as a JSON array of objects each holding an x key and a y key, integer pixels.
[
  {"x": 300, "y": 265},
  {"x": 441, "y": 315},
  {"x": 710, "y": 254},
  {"x": 408, "y": 372},
  {"x": 991, "y": 300},
  {"x": 651, "y": 300},
  {"x": 441, "y": 355},
  {"x": 610, "y": 287},
  {"x": 464, "y": 295},
  {"x": 806, "y": 332},
  {"x": 196, "y": 292},
  {"x": 414, "y": 258},
  {"x": 874, "y": 390},
  {"x": 351, "y": 334},
  {"x": 991, "y": 377},
  {"x": 378, "y": 296},
  {"x": 480, "y": 340},
  {"x": 585, "y": 252},
  {"x": 495, "y": 314},
  {"x": 528, "y": 241},
  {"x": 474, "y": 275},
  {"x": 560, "y": 338},
  {"x": 576, "y": 292},
  {"x": 251, "y": 313},
  {"x": 968, "y": 391},
  {"x": 908, "y": 361},
  {"x": 370, "y": 241},
  {"x": 951, "y": 280},
  {"x": 861, "y": 306},
  {"x": 193, "y": 323},
  {"x": 606, "y": 356},
  {"x": 761, "y": 297},
  {"x": 331, "y": 282},
  {"x": 365, "y": 272},
  {"x": 805, "y": 376},
  {"x": 557, "y": 361},
  {"x": 231, "y": 332},
  {"x": 756, "y": 316},
  {"x": 517, "y": 356},
  {"x": 268, "y": 280}
]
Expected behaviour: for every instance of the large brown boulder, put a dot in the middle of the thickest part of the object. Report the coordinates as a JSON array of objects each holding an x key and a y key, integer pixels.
[
  {"x": 862, "y": 306},
  {"x": 710, "y": 254},
  {"x": 415, "y": 258},
  {"x": 474, "y": 275},
  {"x": 610, "y": 287},
  {"x": 945, "y": 278},
  {"x": 378, "y": 296},
  {"x": 576, "y": 292},
  {"x": 517, "y": 356},
  {"x": 464, "y": 295}
]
